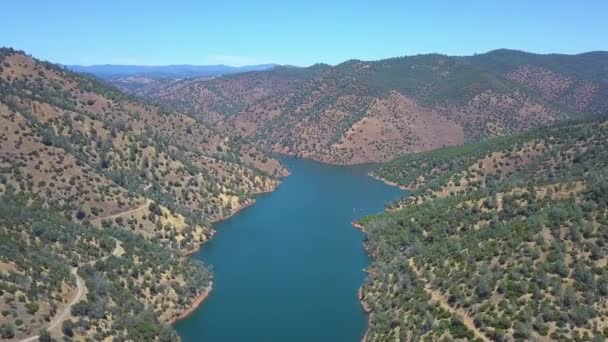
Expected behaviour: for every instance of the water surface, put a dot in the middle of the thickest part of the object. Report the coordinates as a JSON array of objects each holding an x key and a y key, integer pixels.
[{"x": 289, "y": 267}]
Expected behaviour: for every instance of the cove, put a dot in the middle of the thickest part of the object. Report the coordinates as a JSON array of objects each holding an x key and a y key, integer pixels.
[{"x": 289, "y": 267}]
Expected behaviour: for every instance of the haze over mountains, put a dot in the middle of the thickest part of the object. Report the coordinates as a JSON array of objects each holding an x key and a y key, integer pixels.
[
  {"x": 109, "y": 71},
  {"x": 133, "y": 77},
  {"x": 361, "y": 111}
]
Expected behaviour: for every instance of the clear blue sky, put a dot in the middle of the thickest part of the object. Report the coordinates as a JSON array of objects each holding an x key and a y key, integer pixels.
[{"x": 288, "y": 32}]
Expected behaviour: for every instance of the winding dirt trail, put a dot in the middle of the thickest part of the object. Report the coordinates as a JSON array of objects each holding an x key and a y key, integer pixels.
[
  {"x": 80, "y": 292},
  {"x": 438, "y": 297},
  {"x": 143, "y": 206},
  {"x": 65, "y": 313}
]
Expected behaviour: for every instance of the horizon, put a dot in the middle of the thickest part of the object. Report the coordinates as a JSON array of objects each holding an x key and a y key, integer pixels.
[
  {"x": 300, "y": 66},
  {"x": 300, "y": 34},
  {"x": 164, "y": 65}
]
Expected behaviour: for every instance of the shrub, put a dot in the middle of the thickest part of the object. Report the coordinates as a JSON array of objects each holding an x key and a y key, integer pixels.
[
  {"x": 7, "y": 331},
  {"x": 32, "y": 308},
  {"x": 44, "y": 336}
]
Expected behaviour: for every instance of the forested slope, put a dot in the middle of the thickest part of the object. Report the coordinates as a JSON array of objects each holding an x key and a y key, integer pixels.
[{"x": 499, "y": 240}]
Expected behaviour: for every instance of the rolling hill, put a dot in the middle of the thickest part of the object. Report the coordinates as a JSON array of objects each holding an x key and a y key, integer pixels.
[
  {"x": 362, "y": 111},
  {"x": 105, "y": 194},
  {"x": 499, "y": 240}
]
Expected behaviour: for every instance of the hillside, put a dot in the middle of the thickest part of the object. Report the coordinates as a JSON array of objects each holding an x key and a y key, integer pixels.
[
  {"x": 98, "y": 186},
  {"x": 503, "y": 239},
  {"x": 362, "y": 111}
]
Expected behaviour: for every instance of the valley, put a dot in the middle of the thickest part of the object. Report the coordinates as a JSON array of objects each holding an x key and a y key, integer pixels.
[
  {"x": 290, "y": 266},
  {"x": 106, "y": 197}
]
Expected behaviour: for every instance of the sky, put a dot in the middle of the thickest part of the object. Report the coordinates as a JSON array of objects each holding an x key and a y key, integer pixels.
[{"x": 294, "y": 32}]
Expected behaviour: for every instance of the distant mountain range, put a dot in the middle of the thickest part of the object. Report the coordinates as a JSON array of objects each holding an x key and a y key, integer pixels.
[
  {"x": 362, "y": 111},
  {"x": 165, "y": 71},
  {"x": 131, "y": 78}
]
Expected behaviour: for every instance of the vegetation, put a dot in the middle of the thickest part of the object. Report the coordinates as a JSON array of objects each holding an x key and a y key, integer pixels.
[{"x": 501, "y": 240}]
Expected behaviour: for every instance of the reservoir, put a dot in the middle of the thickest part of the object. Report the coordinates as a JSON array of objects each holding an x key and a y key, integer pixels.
[{"x": 289, "y": 267}]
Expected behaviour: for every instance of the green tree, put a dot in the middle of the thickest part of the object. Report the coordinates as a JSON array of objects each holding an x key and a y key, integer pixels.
[
  {"x": 7, "y": 331},
  {"x": 44, "y": 336}
]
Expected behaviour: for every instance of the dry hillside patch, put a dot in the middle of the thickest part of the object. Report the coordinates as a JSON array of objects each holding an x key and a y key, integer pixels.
[{"x": 396, "y": 125}]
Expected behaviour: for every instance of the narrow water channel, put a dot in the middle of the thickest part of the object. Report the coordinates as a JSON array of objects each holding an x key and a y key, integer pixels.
[{"x": 288, "y": 268}]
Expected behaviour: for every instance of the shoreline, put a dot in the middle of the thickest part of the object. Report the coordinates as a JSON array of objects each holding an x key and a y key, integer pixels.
[
  {"x": 248, "y": 203},
  {"x": 364, "y": 305},
  {"x": 189, "y": 252},
  {"x": 201, "y": 297},
  {"x": 368, "y": 311},
  {"x": 366, "y": 308},
  {"x": 358, "y": 226},
  {"x": 387, "y": 182},
  {"x": 232, "y": 213},
  {"x": 195, "y": 304}
]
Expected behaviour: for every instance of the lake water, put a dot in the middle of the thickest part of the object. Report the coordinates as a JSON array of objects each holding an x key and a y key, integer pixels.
[{"x": 289, "y": 267}]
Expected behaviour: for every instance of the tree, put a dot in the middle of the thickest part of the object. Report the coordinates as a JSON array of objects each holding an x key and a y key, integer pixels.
[
  {"x": 32, "y": 308},
  {"x": 44, "y": 336},
  {"x": 7, "y": 331},
  {"x": 68, "y": 328},
  {"x": 521, "y": 330},
  {"x": 575, "y": 233},
  {"x": 569, "y": 297},
  {"x": 80, "y": 215},
  {"x": 484, "y": 287}
]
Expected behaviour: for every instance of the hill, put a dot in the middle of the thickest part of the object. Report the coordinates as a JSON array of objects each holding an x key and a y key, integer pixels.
[
  {"x": 362, "y": 111},
  {"x": 103, "y": 193},
  {"x": 503, "y": 239}
]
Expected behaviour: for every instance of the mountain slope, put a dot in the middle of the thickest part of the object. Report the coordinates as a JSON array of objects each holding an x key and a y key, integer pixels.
[
  {"x": 362, "y": 111},
  {"x": 503, "y": 239},
  {"x": 126, "y": 174}
]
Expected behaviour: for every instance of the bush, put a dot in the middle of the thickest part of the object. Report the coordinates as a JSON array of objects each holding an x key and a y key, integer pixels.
[
  {"x": 80, "y": 215},
  {"x": 32, "y": 308},
  {"x": 67, "y": 328},
  {"x": 459, "y": 331},
  {"x": 7, "y": 331},
  {"x": 44, "y": 336}
]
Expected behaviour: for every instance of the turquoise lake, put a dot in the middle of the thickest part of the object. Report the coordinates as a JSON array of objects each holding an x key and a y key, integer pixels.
[{"x": 289, "y": 267}]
